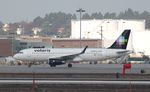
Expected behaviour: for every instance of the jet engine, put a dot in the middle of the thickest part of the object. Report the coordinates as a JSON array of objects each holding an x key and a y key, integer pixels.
[{"x": 54, "y": 62}]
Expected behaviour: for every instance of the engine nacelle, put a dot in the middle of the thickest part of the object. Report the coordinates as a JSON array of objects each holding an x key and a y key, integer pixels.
[{"x": 54, "y": 62}]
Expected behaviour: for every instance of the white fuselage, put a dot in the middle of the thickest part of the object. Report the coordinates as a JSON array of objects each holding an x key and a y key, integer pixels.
[{"x": 43, "y": 54}]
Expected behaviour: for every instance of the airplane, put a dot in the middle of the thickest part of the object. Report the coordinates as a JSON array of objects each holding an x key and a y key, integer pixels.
[{"x": 59, "y": 56}]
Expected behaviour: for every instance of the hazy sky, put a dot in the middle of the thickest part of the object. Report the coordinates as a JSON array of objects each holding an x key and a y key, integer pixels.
[{"x": 18, "y": 10}]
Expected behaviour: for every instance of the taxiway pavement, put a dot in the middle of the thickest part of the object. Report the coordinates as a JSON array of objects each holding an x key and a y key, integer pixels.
[{"x": 77, "y": 68}]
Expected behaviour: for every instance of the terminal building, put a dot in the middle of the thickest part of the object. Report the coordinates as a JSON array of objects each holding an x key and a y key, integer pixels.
[{"x": 11, "y": 46}]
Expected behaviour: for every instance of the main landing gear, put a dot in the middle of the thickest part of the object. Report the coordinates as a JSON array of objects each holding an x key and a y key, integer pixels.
[
  {"x": 69, "y": 65},
  {"x": 53, "y": 65},
  {"x": 54, "y": 62}
]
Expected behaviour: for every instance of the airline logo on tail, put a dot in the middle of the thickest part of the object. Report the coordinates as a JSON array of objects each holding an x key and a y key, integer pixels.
[{"x": 122, "y": 41}]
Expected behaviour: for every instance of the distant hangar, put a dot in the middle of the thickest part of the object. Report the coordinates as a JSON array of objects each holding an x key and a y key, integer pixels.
[{"x": 91, "y": 29}]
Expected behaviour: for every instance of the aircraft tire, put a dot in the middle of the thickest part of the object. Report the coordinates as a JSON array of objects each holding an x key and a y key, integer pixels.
[
  {"x": 69, "y": 65},
  {"x": 53, "y": 65}
]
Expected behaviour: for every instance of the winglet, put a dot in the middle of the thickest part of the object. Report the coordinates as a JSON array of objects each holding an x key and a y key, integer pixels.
[{"x": 84, "y": 50}]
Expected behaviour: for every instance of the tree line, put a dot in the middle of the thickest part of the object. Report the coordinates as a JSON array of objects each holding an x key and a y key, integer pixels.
[{"x": 59, "y": 23}]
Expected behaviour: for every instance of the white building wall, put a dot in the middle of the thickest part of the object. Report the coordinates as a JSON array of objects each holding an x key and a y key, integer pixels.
[
  {"x": 141, "y": 42},
  {"x": 111, "y": 29},
  {"x": 137, "y": 25},
  {"x": 92, "y": 28}
]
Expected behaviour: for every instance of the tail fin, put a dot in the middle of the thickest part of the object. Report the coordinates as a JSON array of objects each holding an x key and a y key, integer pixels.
[{"x": 122, "y": 41}]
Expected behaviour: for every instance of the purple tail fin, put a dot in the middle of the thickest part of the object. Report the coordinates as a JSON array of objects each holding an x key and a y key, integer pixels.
[{"x": 122, "y": 41}]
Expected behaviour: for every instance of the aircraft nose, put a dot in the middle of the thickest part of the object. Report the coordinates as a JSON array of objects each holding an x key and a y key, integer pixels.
[{"x": 16, "y": 56}]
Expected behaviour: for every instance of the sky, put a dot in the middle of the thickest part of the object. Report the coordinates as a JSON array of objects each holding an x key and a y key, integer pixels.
[{"x": 27, "y": 10}]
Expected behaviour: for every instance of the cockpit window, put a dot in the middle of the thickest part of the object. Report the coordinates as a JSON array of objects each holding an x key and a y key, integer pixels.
[{"x": 21, "y": 52}]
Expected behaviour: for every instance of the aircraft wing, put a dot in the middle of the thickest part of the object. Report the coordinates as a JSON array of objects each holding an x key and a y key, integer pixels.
[
  {"x": 121, "y": 52},
  {"x": 125, "y": 52},
  {"x": 69, "y": 57}
]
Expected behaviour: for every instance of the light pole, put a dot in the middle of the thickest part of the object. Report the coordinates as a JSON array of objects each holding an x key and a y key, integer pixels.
[
  {"x": 102, "y": 36},
  {"x": 102, "y": 29},
  {"x": 12, "y": 37},
  {"x": 80, "y": 11},
  {"x": 123, "y": 25}
]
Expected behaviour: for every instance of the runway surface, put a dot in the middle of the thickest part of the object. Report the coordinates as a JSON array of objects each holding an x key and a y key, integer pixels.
[
  {"x": 79, "y": 78},
  {"x": 115, "y": 82},
  {"x": 77, "y": 68}
]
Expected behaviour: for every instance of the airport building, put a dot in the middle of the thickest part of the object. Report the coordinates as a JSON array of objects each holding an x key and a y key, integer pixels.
[
  {"x": 9, "y": 47},
  {"x": 109, "y": 29},
  {"x": 140, "y": 42},
  {"x": 91, "y": 29},
  {"x": 75, "y": 43},
  {"x": 5, "y": 47}
]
